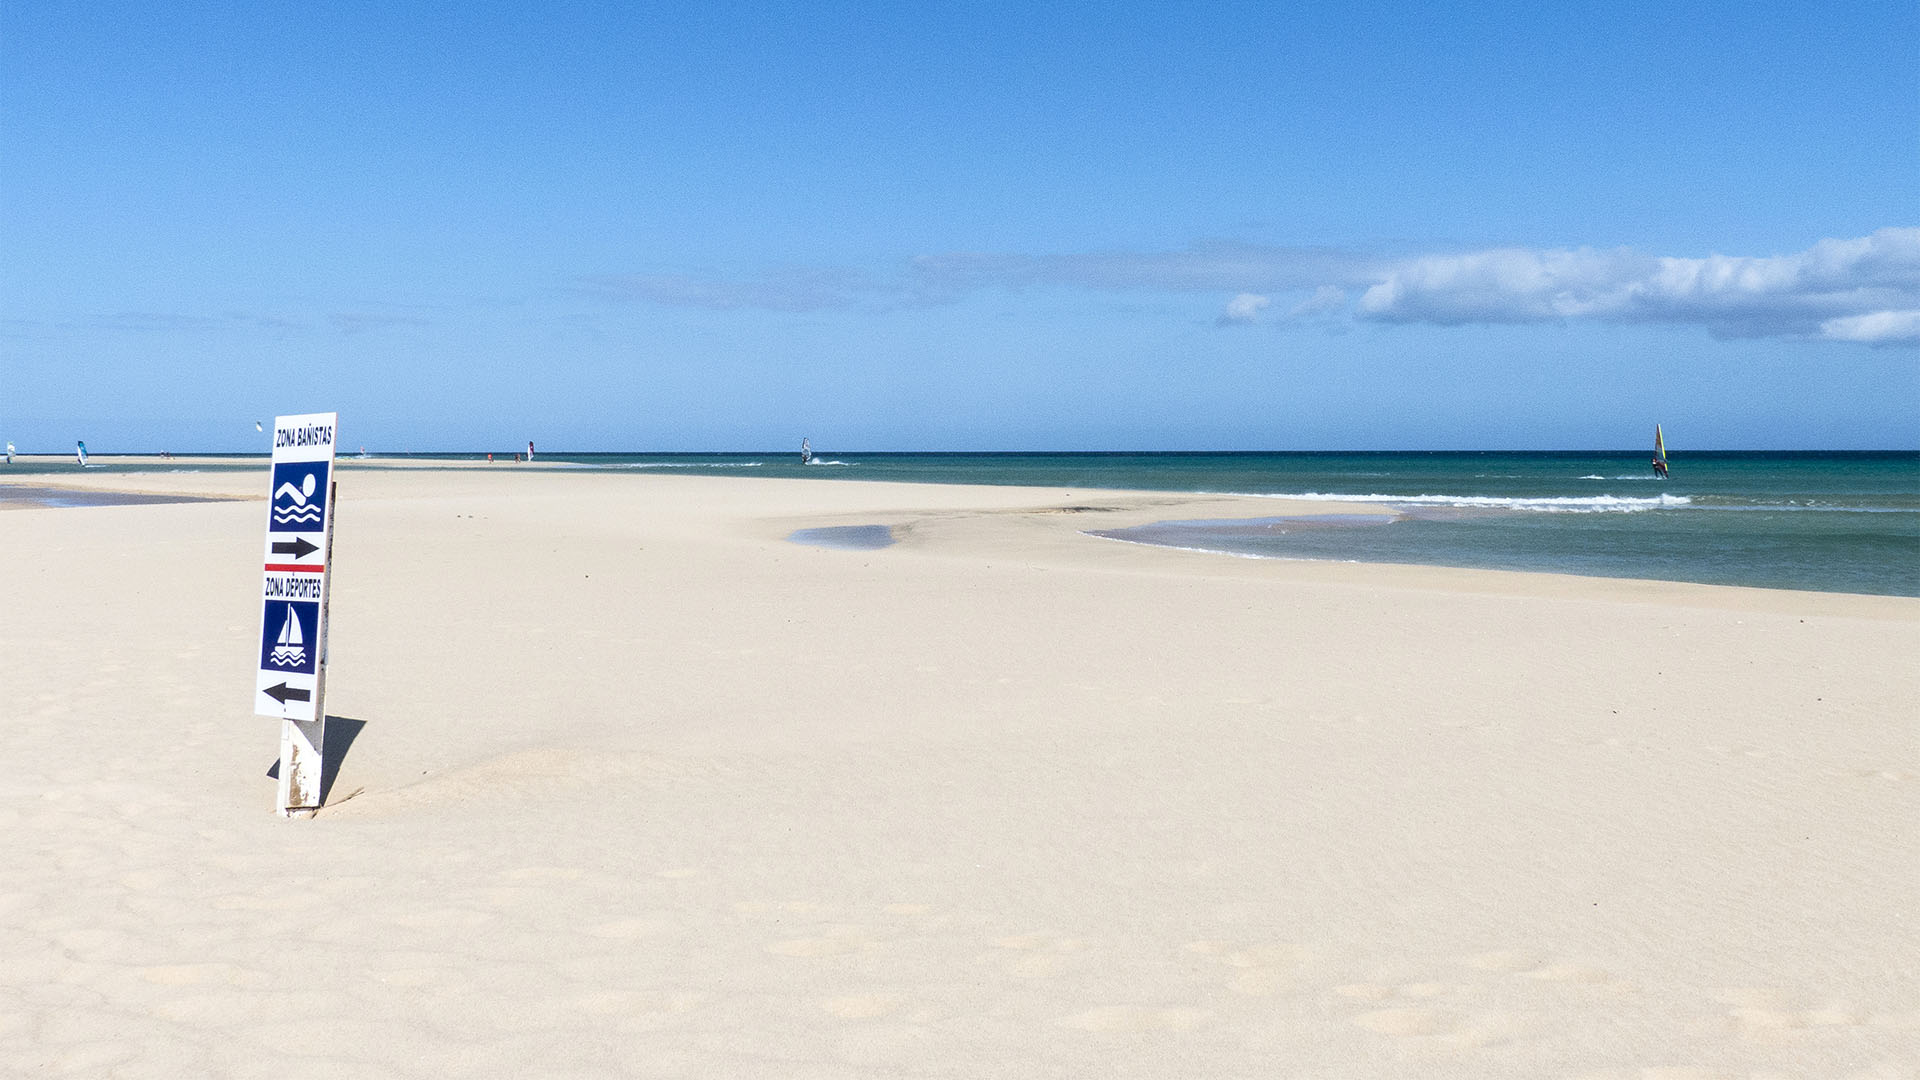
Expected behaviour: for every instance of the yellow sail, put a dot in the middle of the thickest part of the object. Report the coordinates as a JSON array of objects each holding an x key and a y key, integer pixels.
[{"x": 1659, "y": 443}]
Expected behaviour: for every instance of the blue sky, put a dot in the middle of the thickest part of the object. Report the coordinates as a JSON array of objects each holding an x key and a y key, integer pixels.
[{"x": 961, "y": 226}]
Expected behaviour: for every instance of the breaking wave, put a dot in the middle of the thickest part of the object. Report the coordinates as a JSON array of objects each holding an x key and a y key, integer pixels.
[{"x": 1564, "y": 504}]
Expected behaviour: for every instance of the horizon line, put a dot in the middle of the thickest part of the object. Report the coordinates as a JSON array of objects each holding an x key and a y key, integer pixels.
[{"x": 352, "y": 455}]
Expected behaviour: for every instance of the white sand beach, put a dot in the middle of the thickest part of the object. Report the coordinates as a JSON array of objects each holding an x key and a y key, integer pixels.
[{"x": 637, "y": 787}]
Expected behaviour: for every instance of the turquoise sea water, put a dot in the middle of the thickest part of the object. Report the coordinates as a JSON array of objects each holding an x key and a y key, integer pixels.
[
  {"x": 1836, "y": 522},
  {"x": 1833, "y": 522}
]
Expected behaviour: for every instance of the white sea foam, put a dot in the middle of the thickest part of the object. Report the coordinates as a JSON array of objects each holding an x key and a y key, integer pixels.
[
  {"x": 823, "y": 461},
  {"x": 1566, "y": 504}
]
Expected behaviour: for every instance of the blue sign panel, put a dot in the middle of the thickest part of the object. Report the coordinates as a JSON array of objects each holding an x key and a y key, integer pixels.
[
  {"x": 287, "y": 640},
  {"x": 299, "y": 496}
]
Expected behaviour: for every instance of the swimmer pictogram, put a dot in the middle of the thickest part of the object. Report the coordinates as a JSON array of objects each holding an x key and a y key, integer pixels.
[{"x": 299, "y": 497}]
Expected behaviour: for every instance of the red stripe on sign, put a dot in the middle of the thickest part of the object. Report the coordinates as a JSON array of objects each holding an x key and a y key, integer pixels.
[{"x": 294, "y": 568}]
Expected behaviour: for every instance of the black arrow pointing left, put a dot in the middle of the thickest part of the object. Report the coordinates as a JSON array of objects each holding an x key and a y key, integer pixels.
[
  {"x": 284, "y": 693},
  {"x": 298, "y": 547}
]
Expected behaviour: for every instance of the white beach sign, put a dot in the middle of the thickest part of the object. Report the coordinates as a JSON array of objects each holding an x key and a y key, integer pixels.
[{"x": 291, "y": 679}]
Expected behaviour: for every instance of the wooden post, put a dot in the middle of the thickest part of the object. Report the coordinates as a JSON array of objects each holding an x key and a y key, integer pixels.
[{"x": 301, "y": 766}]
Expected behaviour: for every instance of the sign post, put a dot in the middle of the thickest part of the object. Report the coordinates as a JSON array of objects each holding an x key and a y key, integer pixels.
[{"x": 292, "y": 678}]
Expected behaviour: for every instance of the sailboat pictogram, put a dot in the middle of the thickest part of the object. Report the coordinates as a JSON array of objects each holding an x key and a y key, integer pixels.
[{"x": 291, "y": 650}]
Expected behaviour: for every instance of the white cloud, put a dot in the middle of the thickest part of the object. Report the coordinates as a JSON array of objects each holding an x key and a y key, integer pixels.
[
  {"x": 1214, "y": 266},
  {"x": 1861, "y": 289},
  {"x": 1877, "y": 328},
  {"x": 1799, "y": 294},
  {"x": 1244, "y": 308},
  {"x": 1325, "y": 299}
]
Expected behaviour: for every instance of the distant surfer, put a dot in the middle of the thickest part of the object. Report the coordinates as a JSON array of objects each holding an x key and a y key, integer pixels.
[
  {"x": 806, "y": 452},
  {"x": 9, "y": 453},
  {"x": 1659, "y": 468},
  {"x": 81, "y": 454},
  {"x": 529, "y": 449}
]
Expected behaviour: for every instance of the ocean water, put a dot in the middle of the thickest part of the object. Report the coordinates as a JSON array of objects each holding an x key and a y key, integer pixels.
[{"x": 1831, "y": 522}]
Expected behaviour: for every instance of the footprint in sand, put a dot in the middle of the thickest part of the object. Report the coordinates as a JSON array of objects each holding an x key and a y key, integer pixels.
[
  {"x": 1442, "y": 1028},
  {"x": 628, "y": 929},
  {"x": 1579, "y": 973},
  {"x": 1037, "y": 956},
  {"x": 1510, "y": 960},
  {"x": 863, "y": 1006},
  {"x": 1258, "y": 970},
  {"x": 544, "y": 873},
  {"x": 442, "y": 919},
  {"x": 1136, "y": 1018},
  {"x": 1412, "y": 1011},
  {"x": 777, "y": 907},
  {"x": 838, "y": 942},
  {"x": 1661, "y": 1073},
  {"x": 1763, "y": 1015},
  {"x": 1414, "y": 991},
  {"x": 1408, "y": 1021},
  {"x": 1534, "y": 964}
]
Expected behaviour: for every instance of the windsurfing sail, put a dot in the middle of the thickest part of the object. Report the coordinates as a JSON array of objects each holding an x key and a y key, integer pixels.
[
  {"x": 81, "y": 454},
  {"x": 806, "y": 452},
  {"x": 1659, "y": 452}
]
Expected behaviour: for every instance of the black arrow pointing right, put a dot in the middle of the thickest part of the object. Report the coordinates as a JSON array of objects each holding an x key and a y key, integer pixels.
[
  {"x": 298, "y": 547},
  {"x": 284, "y": 693}
]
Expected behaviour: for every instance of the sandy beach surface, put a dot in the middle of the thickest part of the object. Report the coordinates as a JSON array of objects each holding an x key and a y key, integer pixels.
[{"x": 631, "y": 785}]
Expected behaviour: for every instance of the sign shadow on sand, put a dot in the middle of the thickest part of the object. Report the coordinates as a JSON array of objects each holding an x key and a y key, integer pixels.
[{"x": 341, "y": 731}]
